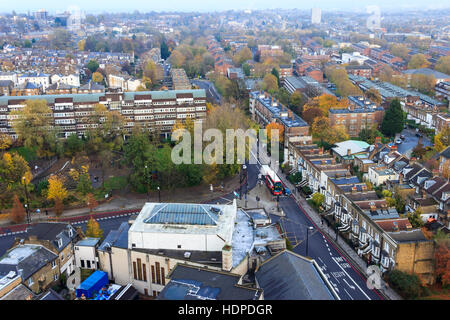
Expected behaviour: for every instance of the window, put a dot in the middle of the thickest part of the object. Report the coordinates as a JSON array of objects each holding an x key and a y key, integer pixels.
[
  {"x": 55, "y": 277},
  {"x": 154, "y": 293},
  {"x": 139, "y": 266},
  {"x": 53, "y": 264},
  {"x": 158, "y": 275},
  {"x": 179, "y": 246},
  {"x": 82, "y": 263},
  {"x": 62, "y": 256},
  {"x": 88, "y": 263},
  {"x": 144, "y": 269},
  {"x": 134, "y": 270},
  {"x": 163, "y": 277},
  {"x": 153, "y": 274},
  {"x": 30, "y": 281}
]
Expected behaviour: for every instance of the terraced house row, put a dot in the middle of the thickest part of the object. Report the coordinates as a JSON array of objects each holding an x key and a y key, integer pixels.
[
  {"x": 376, "y": 231},
  {"x": 152, "y": 110}
]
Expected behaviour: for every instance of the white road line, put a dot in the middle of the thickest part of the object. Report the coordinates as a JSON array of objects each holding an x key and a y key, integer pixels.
[
  {"x": 352, "y": 287},
  {"x": 349, "y": 294},
  {"x": 352, "y": 279}
]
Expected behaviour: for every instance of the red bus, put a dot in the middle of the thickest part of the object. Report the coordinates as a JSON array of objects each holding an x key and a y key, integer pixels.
[{"x": 272, "y": 181}]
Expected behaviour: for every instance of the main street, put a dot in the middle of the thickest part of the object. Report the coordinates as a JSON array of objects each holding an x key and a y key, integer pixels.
[{"x": 346, "y": 280}]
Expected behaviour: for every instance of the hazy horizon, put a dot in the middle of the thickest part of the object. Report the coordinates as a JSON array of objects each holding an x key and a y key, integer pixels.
[{"x": 114, "y": 6}]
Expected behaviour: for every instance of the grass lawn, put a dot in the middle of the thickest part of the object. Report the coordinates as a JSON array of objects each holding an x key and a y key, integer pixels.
[{"x": 116, "y": 183}]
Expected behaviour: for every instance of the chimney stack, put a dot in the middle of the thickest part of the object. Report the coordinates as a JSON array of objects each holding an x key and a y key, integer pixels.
[
  {"x": 400, "y": 178},
  {"x": 378, "y": 140},
  {"x": 349, "y": 152}
]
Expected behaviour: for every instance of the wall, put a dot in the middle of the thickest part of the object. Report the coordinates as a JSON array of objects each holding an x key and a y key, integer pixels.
[
  {"x": 85, "y": 253},
  {"x": 417, "y": 257}
]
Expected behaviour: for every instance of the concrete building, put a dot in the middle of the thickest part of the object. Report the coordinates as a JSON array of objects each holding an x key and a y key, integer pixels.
[
  {"x": 316, "y": 15},
  {"x": 85, "y": 252},
  {"x": 180, "y": 80},
  {"x": 151, "y": 109}
]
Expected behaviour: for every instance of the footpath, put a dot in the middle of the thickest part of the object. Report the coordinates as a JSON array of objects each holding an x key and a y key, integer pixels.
[{"x": 340, "y": 244}]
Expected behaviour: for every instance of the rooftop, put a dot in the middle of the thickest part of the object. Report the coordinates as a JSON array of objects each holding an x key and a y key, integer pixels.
[{"x": 195, "y": 283}]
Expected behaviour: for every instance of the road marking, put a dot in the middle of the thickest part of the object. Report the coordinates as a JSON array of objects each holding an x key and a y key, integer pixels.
[
  {"x": 352, "y": 287},
  {"x": 352, "y": 280},
  {"x": 349, "y": 294}
]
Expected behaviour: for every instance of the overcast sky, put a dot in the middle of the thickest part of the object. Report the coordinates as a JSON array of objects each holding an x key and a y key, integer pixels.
[{"x": 97, "y": 6}]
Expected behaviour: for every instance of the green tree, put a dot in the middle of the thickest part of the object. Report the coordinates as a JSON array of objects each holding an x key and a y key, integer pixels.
[
  {"x": 270, "y": 83},
  {"x": 246, "y": 69},
  {"x": 92, "y": 65},
  {"x": 415, "y": 218},
  {"x": 318, "y": 199},
  {"x": 393, "y": 121},
  {"x": 276, "y": 74},
  {"x": 60, "y": 39},
  {"x": 407, "y": 285},
  {"x": 164, "y": 50}
]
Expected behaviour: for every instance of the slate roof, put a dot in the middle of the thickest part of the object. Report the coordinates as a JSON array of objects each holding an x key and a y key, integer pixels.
[
  {"x": 51, "y": 295},
  {"x": 116, "y": 238},
  {"x": 409, "y": 236},
  {"x": 28, "y": 258},
  {"x": 428, "y": 72},
  {"x": 52, "y": 231},
  {"x": 212, "y": 258},
  {"x": 446, "y": 153},
  {"x": 194, "y": 283},
  {"x": 288, "y": 276}
]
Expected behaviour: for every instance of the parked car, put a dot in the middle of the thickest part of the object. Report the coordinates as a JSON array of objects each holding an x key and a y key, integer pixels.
[
  {"x": 402, "y": 137},
  {"x": 398, "y": 141}
]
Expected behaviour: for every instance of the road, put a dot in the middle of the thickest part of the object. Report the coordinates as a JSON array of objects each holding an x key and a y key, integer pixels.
[
  {"x": 410, "y": 142},
  {"x": 106, "y": 223},
  {"x": 211, "y": 91}
]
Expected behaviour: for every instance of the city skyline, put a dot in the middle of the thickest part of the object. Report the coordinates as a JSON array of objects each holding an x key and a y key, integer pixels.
[{"x": 206, "y": 6}]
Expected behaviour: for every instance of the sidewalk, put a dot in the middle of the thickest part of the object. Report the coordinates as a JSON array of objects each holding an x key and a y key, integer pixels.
[{"x": 342, "y": 246}]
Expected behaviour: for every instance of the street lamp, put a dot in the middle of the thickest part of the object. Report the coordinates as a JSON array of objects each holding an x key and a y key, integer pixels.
[
  {"x": 146, "y": 180},
  {"x": 28, "y": 203},
  {"x": 159, "y": 194},
  {"x": 307, "y": 237}
]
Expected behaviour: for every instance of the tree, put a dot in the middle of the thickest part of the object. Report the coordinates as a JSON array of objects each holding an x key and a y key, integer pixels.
[
  {"x": 423, "y": 83},
  {"x": 400, "y": 50},
  {"x": 92, "y": 65},
  {"x": 275, "y": 126},
  {"x": 164, "y": 50},
  {"x": 91, "y": 202},
  {"x": 5, "y": 141},
  {"x": 415, "y": 218},
  {"x": 407, "y": 285},
  {"x": 93, "y": 229},
  {"x": 270, "y": 83},
  {"x": 60, "y": 39},
  {"x": 393, "y": 121},
  {"x": 97, "y": 77},
  {"x": 418, "y": 61},
  {"x": 57, "y": 192},
  {"x": 84, "y": 185},
  {"x": 34, "y": 127},
  {"x": 318, "y": 199},
  {"x": 243, "y": 55},
  {"x": 81, "y": 44},
  {"x": 177, "y": 59},
  {"x": 374, "y": 95},
  {"x": 276, "y": 74},
  {"x": 443, "y": 65},
  {"x": 442, "y": 139},
  {"x": 17, "y": 214},
  {"x": 442, "y": 257},
  {"x": 246, "y": 69}
]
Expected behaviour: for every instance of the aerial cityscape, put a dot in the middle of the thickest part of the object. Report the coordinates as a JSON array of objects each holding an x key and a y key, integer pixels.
[{"x": 234, "y": 151}]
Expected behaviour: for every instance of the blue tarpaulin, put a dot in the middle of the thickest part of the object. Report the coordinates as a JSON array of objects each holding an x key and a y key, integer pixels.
[{"x": 93, "y": 284}]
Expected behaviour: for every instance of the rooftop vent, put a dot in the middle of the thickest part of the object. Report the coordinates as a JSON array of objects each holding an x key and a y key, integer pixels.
[{"x": 187, "y": 254}]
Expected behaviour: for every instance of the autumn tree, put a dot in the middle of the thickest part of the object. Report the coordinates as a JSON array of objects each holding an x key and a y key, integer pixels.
[
  {"x": 13, "y": 168},
  {"x": 310, "y": 114},
  {"x": 93, "y": 229},
  {"x": 5, "y": 141},
  {"x": 442, "y": 139},
  {"x": 34, "y": 127},
  {"x": 270, "y": 83},
  {"x": 443, "y": 65},
  {"x": 423, "y": 83},
  {"x": 442, "y": 257},
  {"x": 373, "y": 95},
  {"x": 57, "y": 192},
  {"x": 177, "y": 59},
  {"x": 243, "y": 55},
  {"x": 418, "y": 61},
  {"x": 275, "y": 126},
  {"x": 81, "y": 44},
  {"x": 97, "y": 77},
  {"x": 17, "y": 214},
  {"x": 400, "y": 50},
  {"x": 91, "y": 202}
]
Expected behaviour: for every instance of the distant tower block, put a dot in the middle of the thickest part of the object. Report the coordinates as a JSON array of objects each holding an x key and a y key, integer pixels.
[{"x": 316, "y": 15}]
